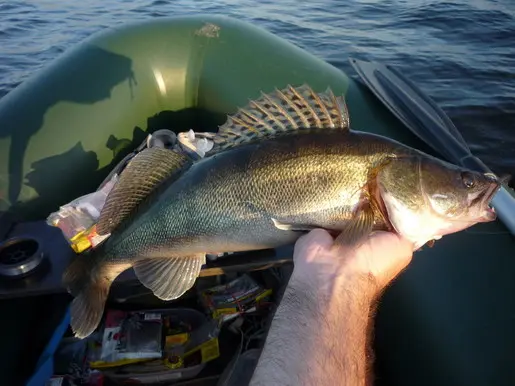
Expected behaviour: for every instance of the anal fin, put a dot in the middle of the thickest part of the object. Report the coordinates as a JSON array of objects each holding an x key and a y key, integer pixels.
[
  {"x": 169, "y": 278},
  {"x": 147, "y": 170},
  {"x": 358, "y": 229}
]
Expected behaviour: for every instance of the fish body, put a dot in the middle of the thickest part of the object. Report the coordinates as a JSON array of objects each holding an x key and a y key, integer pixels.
[
  {"x": 287, "y": 165},
  {"x": 228, "y": 202}
]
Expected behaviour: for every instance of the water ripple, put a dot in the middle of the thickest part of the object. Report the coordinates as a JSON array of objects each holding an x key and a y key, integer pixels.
[{"x": 462, "y": 53}]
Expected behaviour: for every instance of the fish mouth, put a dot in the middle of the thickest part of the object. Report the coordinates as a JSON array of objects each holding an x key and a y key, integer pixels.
[{"x": 489, "y": 213}]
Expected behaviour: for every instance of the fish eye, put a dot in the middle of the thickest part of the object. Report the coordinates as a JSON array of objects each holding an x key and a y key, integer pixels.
[{"x": 468, "y": 179}]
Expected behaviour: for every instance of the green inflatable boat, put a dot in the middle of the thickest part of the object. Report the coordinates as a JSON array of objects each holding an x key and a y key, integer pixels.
[{"x": 447, "y": 320}]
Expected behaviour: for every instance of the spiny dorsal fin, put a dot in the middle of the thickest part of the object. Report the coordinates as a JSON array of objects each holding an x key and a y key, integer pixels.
[
  {"x": 285, "y": 111},
  {"x": 147, "y": 170}
]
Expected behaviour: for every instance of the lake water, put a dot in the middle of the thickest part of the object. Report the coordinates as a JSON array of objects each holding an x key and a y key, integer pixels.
[{"x": 462, "y": 53}]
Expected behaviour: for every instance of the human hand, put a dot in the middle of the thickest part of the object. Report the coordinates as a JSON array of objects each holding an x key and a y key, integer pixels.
[{"x": 374, "y": 263}]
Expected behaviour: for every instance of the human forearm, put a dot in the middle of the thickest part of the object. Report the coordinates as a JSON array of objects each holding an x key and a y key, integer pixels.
[
  {"x": 321, "y": 332},
  {"x": 319, "y": 335}
]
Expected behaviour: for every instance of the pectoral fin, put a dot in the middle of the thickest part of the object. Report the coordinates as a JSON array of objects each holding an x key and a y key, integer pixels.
[
  {"x": 356, "y": 230},
  {"x": 169, "y": 278},
  {"x": 145, "y": 172},
  {"x": 292, "y": 227}
]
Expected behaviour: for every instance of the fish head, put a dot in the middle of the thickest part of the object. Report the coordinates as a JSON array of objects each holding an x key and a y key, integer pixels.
[
  {"x": 458, "y": 194},
  {"x": 426, "y": 198}
]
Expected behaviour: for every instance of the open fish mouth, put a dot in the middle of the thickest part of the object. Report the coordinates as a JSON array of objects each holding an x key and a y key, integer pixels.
[{"x": 489, "y": 211}]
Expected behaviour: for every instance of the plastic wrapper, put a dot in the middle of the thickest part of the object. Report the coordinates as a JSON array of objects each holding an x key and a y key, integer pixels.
[
  {"x": 238, "y": 296},
  {"x": 195, "y": 144},
  {"x": 77, "y": 219},
  {"x": 71, "y": 363},
  {"x": 94, "y": 379},
  {"x": 189, "y": 340},
  {"x": 129, "y": 337}
]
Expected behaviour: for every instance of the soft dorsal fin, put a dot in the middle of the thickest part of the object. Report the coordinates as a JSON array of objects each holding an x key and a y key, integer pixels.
[
  {"x": 285, "y": 111},
  {"x": 144, "y": 173}
]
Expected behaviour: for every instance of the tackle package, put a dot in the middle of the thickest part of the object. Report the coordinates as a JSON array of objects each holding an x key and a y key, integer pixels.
[
  {"x": 240, "y": 295},
  {"x": 165, "y": 343}
]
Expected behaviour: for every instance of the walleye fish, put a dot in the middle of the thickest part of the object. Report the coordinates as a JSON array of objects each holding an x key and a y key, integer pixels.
[{"x": 284, "y": 164}]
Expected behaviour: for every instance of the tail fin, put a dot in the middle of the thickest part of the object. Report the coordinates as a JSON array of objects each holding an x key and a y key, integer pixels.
[{"x": 89, "y": 282}]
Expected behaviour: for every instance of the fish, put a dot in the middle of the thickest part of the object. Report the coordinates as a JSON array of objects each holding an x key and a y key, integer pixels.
[{"x": 286, "y": 163}]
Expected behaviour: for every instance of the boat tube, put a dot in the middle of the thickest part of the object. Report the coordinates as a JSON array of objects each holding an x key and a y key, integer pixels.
[{"x": 446, "y": 320}]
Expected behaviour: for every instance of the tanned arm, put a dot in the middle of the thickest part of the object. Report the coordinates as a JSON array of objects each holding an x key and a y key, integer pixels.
[{"x": 321, "y": 332}]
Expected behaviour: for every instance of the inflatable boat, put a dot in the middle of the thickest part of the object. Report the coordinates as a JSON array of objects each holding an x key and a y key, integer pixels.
[{"x": 447, "y": 320}]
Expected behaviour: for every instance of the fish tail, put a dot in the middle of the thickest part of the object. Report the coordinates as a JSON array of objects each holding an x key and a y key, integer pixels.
[{"x": 89, "y": 281}]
